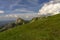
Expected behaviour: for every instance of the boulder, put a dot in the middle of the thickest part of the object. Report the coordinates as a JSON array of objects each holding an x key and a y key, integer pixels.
[{"x": 19, "y": 21}]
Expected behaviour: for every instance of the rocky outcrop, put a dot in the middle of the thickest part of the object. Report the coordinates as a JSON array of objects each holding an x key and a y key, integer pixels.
[{"x": 19, "y": 21}]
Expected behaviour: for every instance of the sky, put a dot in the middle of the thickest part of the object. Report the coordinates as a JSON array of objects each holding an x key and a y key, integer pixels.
[
  {"x": 50, "y": 8},
  {"x": 23, "y": 8}
]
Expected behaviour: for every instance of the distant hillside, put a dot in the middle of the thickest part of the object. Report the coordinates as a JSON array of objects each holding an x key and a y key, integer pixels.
[
  {"x": 5, "y": 22},
  {"x": 42, "y": 29}
]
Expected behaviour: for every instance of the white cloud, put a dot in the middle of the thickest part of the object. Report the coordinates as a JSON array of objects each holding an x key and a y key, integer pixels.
[
  {"x": 16, "y": 3},
  {"x": 1, "y": 11},
  {"x": 51, "y": 8},
  {"x": 33, "y": 1},
  {"x": 56, "y": 0},
  {"x": 25, "y": 16},
  {"x": 22, "y": 10}
]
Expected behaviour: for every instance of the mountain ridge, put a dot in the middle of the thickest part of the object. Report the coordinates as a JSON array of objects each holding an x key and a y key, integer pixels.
[{"x": 41, "y": 29}]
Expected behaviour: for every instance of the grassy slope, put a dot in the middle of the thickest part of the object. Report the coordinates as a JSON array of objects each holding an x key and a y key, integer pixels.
[{"x": 43, "y": 29}]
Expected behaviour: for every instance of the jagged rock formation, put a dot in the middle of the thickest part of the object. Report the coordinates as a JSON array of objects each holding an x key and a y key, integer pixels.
[
  {"x": 19, "y": 21},
  {"x": 34, "y": 19}
]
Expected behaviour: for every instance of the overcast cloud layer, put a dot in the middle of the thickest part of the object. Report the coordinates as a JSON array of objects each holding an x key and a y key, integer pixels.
[{"x": 9, "y": 7}]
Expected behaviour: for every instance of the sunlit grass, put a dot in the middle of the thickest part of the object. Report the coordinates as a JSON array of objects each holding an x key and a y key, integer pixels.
[{"x": 42, "y": 29}]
